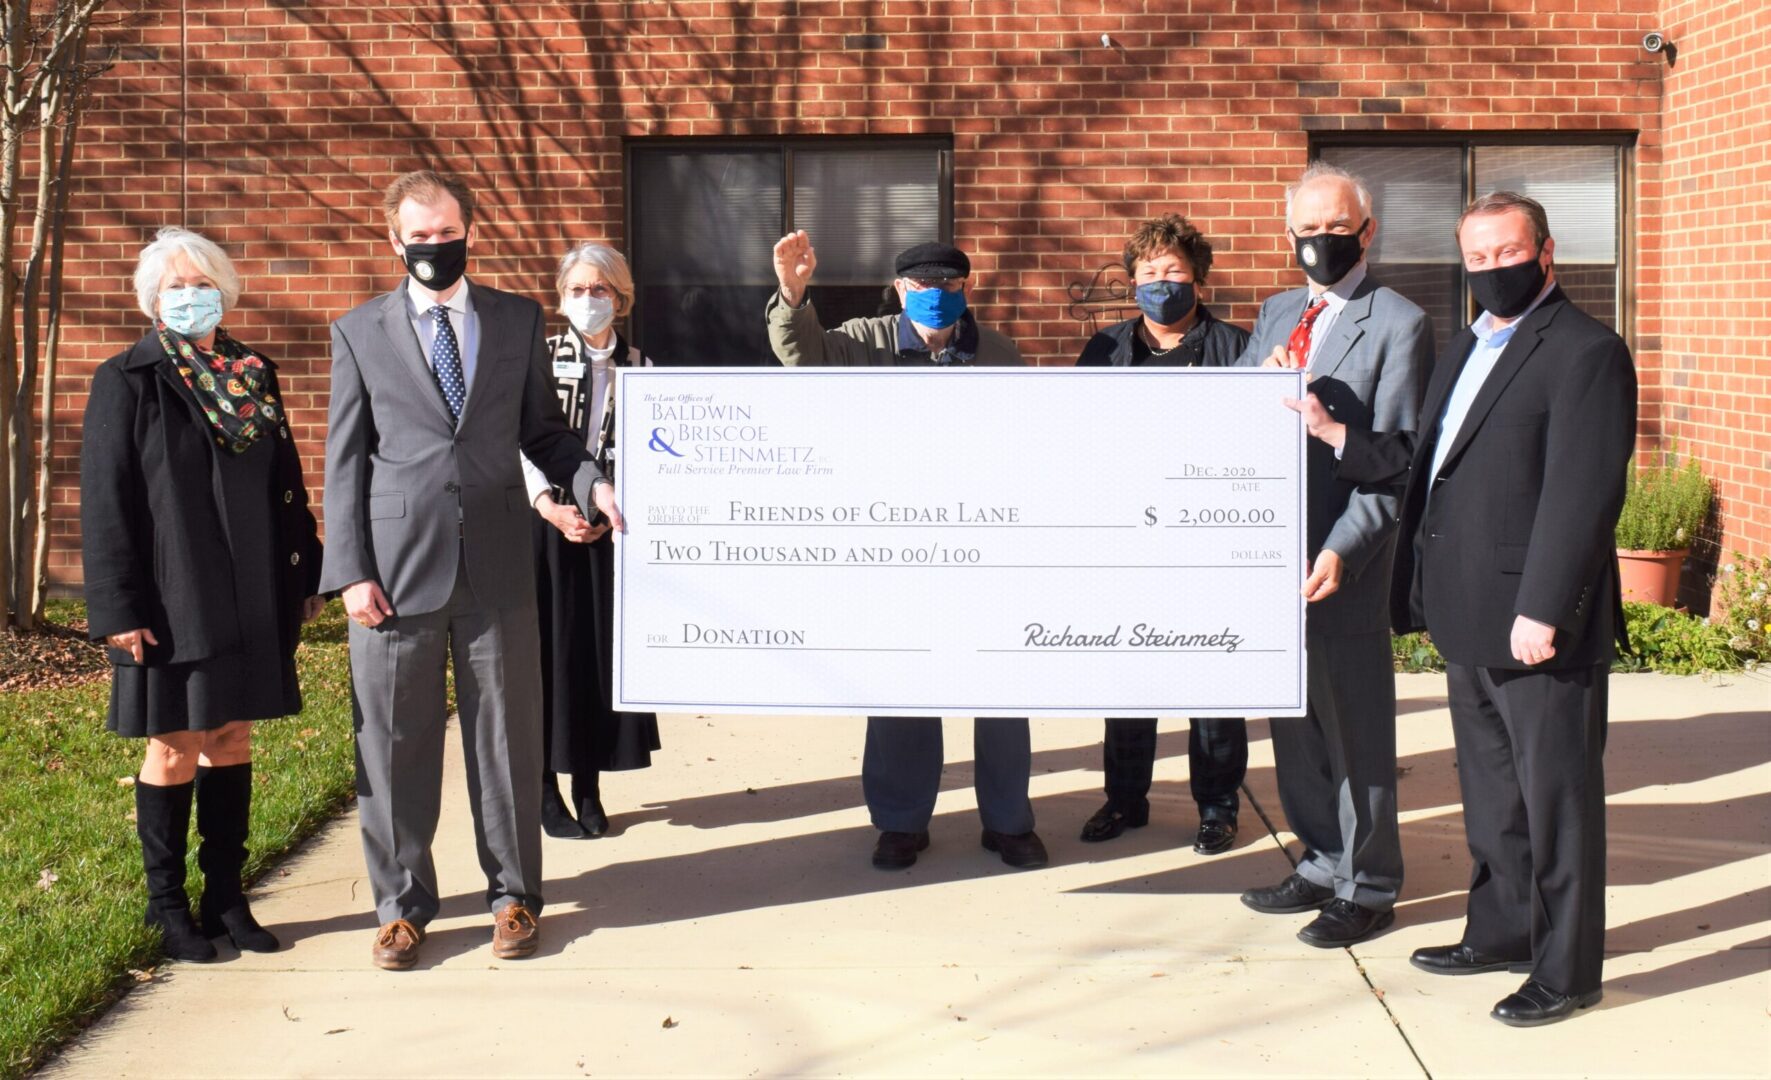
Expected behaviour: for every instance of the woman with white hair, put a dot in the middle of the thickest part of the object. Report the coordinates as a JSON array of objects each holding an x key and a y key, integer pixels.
[
  {"x": 201, "y": 562},
  {"x": 575, "y": 559}
]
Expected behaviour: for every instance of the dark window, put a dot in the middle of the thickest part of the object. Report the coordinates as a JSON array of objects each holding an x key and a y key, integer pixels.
[
  {"x": 1421, "y": 186},
  {"x": 705, "y": 215}
]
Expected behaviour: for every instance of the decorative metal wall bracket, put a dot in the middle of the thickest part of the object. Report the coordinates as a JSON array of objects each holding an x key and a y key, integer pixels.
[{"x": 1109, "y": 294}]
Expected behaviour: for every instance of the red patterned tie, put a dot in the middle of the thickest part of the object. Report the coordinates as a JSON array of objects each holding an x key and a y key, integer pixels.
[{"x": 1298, "y": 347}]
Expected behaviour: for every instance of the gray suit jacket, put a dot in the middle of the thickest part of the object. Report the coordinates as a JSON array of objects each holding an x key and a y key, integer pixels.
[
  {"x": 1371, "y": 372},
  {"x": 406, "y": 487}
]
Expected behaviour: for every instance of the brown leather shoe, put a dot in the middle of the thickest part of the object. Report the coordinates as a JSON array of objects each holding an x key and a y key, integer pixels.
[
  {"x": 515, "y": 933},
  {"x": 396, "y": 946}
]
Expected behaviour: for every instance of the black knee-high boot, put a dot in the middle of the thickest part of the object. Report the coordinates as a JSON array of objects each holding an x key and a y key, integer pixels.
[
  {"x": 162, "y": 820},
  {"x": 587, "y": 794},
  {"x": 224, "y": 805}
]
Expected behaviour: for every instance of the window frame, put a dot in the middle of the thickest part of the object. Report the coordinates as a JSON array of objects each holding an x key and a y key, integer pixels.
[
  {"x": 1622, "y": 142},
  {"x": 786, "y": 145}
]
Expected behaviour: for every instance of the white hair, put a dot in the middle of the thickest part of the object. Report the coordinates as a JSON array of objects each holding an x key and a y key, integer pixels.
[
  {"x": 1322, "y": 170},
  {"x": 609, "y": 263},
  {"x": 205, "y": 257}
]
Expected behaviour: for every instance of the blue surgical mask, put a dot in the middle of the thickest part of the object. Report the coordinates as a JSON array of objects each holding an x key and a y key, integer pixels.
[
  {"x": 936, "y": 309},
  {"x": 190, "y": 312},
  {"x": 1166, "y": 302}
]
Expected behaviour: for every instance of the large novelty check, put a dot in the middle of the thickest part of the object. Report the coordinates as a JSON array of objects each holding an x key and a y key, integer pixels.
[{"x": 958, "y": 541}]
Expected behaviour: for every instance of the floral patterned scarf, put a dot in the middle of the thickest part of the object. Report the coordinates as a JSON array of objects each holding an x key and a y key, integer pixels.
[{"x": 232, "y": 385}]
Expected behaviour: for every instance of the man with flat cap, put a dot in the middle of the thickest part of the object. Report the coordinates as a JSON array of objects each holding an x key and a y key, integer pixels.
[{"x": 901, "y": 767}]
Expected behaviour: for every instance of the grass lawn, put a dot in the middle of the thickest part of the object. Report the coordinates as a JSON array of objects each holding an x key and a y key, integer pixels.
[{"x": 70, "y": 866}]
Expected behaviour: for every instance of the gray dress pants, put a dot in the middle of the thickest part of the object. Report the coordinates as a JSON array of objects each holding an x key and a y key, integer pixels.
[
  {"x": 398, "y": 694},
  {"x": 1337, "y": 769}
]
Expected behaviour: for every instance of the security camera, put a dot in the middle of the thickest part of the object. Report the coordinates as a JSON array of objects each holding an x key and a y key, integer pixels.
[{"x": 1654, "y": 41}]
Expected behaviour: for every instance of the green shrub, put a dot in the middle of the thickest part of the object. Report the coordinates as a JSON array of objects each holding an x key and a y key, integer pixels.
[
  {"x": 1415, "y": 653},
  {"x": 1664, "y": 505},
  {"x": 1675, "y": 643},
  {"x": 1746, "y": 605}
]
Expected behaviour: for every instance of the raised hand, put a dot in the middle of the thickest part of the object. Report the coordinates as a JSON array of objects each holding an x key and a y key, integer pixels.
[{"x": 795, "y": 259}]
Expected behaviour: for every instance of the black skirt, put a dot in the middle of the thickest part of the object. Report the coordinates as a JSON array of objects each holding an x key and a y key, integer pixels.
[
  {"x": 575, "y": 594},
  {"x": 256, "y": 681}
]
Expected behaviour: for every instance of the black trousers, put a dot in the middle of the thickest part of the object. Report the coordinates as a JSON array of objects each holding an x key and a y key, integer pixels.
[
  {"x": 1529, "y": 759},
  {"x": 1217, "y": 760}
]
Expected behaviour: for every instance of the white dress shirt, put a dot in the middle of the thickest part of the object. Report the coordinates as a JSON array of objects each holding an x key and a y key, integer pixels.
[
  {"x": 461, "y": 319},
  {"x": 1491, "y": 341}
]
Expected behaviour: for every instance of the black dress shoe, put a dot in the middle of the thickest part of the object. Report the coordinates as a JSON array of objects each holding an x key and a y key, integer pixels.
[
  {"x": 896, "y": 850},
  {"x": 1023, "y": 851},
  {"x": 1289, "y": 897},
  {"x": 1460, "y": 959},
  {"x": 1109, "y": 821},
  {"x": 1344, "y": 923},
  {"x": 1215, "y": 836},
  {"x": 1535, "y": 1004}
]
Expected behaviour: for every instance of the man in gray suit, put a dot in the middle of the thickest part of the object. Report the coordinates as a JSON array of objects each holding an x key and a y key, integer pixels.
[
  {"x": 1368, "y": 352},
  {"x": 426, "y": 513}
]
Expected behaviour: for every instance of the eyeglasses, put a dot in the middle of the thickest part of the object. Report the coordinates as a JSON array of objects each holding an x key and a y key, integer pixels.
[{"x": 947, "y": 284}]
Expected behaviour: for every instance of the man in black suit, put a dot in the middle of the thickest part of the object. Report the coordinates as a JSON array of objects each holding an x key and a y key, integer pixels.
[{"x": 1511, "y": 491}]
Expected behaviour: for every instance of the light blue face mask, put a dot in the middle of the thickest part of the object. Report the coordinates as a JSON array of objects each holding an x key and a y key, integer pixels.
[
  {"x": 934, "y": 308},
  {"x": 191, "y": 312}
]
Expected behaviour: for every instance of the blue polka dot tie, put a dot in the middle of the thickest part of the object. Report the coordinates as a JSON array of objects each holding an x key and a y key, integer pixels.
[{"x": 445, "y": 361}]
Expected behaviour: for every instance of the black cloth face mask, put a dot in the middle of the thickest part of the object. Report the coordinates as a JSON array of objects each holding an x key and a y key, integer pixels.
[
  {"x": 1326, "y": 257},
  {"x": 1506, "y": 291},
  {"x": 437, "y": 266}
]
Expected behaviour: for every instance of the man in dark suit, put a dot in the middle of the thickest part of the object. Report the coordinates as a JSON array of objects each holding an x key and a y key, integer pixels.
[
  {"x": 433, "y": 384},
  {"x": 1368, "y": 351},
  {"x": 1511, "y": 492}
]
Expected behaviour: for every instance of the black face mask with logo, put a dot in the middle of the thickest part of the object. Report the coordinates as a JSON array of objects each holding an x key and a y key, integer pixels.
[
  {"x": 1326, "y": 257},
  {"x": 1506, "y": 291},
  {"x": 437, "y": 266}
]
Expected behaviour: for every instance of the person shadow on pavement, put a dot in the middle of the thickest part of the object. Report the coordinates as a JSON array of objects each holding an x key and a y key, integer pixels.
[{"x": 1647, "y": 843}]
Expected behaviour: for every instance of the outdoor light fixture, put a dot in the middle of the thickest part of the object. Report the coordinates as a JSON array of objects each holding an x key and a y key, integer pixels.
[{"x": 1656, "y": 42}]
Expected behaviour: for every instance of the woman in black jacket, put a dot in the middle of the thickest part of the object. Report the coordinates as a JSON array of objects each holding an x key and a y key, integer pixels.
[
  {"x": 201, "y": 562},
  {"x": 1168, "y": 259}
]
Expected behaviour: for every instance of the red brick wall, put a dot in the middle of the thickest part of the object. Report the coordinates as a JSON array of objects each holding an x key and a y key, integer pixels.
[
  {"x": 1705, "y": 284},
  {"x": 294, "y": 114}
]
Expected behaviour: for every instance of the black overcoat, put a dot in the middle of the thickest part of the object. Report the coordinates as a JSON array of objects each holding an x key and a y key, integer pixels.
[{"x": 153, "y": 537}]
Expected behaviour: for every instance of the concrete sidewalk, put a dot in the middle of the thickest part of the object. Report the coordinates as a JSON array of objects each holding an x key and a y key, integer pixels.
[{"x": 733, "y": 927}]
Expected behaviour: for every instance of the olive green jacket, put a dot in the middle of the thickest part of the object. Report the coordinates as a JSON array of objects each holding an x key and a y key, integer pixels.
[{"x": 800, "y": 340}]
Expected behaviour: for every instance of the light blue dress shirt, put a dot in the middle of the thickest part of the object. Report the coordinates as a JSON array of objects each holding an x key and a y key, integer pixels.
[
  {"x": 1490, "y": 343},
  {"x": 461, "y": 319}
]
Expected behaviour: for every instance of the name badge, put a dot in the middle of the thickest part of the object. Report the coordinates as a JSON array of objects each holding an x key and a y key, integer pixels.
[{"x": 568, "y": 369}]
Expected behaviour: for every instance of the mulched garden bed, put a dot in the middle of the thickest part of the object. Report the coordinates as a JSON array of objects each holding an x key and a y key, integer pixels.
[{"x": 56, "y": 654}]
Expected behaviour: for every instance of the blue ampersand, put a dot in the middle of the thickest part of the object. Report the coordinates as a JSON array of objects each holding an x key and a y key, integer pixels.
[{"x": 658, "y": 443}]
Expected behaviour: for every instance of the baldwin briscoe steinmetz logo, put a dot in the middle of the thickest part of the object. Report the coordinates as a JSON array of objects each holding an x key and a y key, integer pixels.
[
  {"x": 695, "y": 434},
  {"x": 424, "y": 270}
]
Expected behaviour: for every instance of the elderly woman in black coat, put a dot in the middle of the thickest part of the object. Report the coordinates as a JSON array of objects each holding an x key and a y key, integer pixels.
[
  {"x": 575, "y": 559},
  {"x": 201, "y": 562}
]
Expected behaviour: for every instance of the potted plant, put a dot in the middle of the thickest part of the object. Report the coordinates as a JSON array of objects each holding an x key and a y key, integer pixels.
[{"x": 1664, "y": 505}]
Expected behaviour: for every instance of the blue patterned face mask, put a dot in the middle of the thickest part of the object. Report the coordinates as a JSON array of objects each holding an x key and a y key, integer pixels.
[
  {"x": 934, "y": 308},
  {"x": 1165, "y": 302},
  {"x": 190, "y": 312}
]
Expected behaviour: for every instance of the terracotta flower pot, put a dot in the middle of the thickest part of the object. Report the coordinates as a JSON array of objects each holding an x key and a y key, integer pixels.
[{"x": 1650, "y": 577}]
